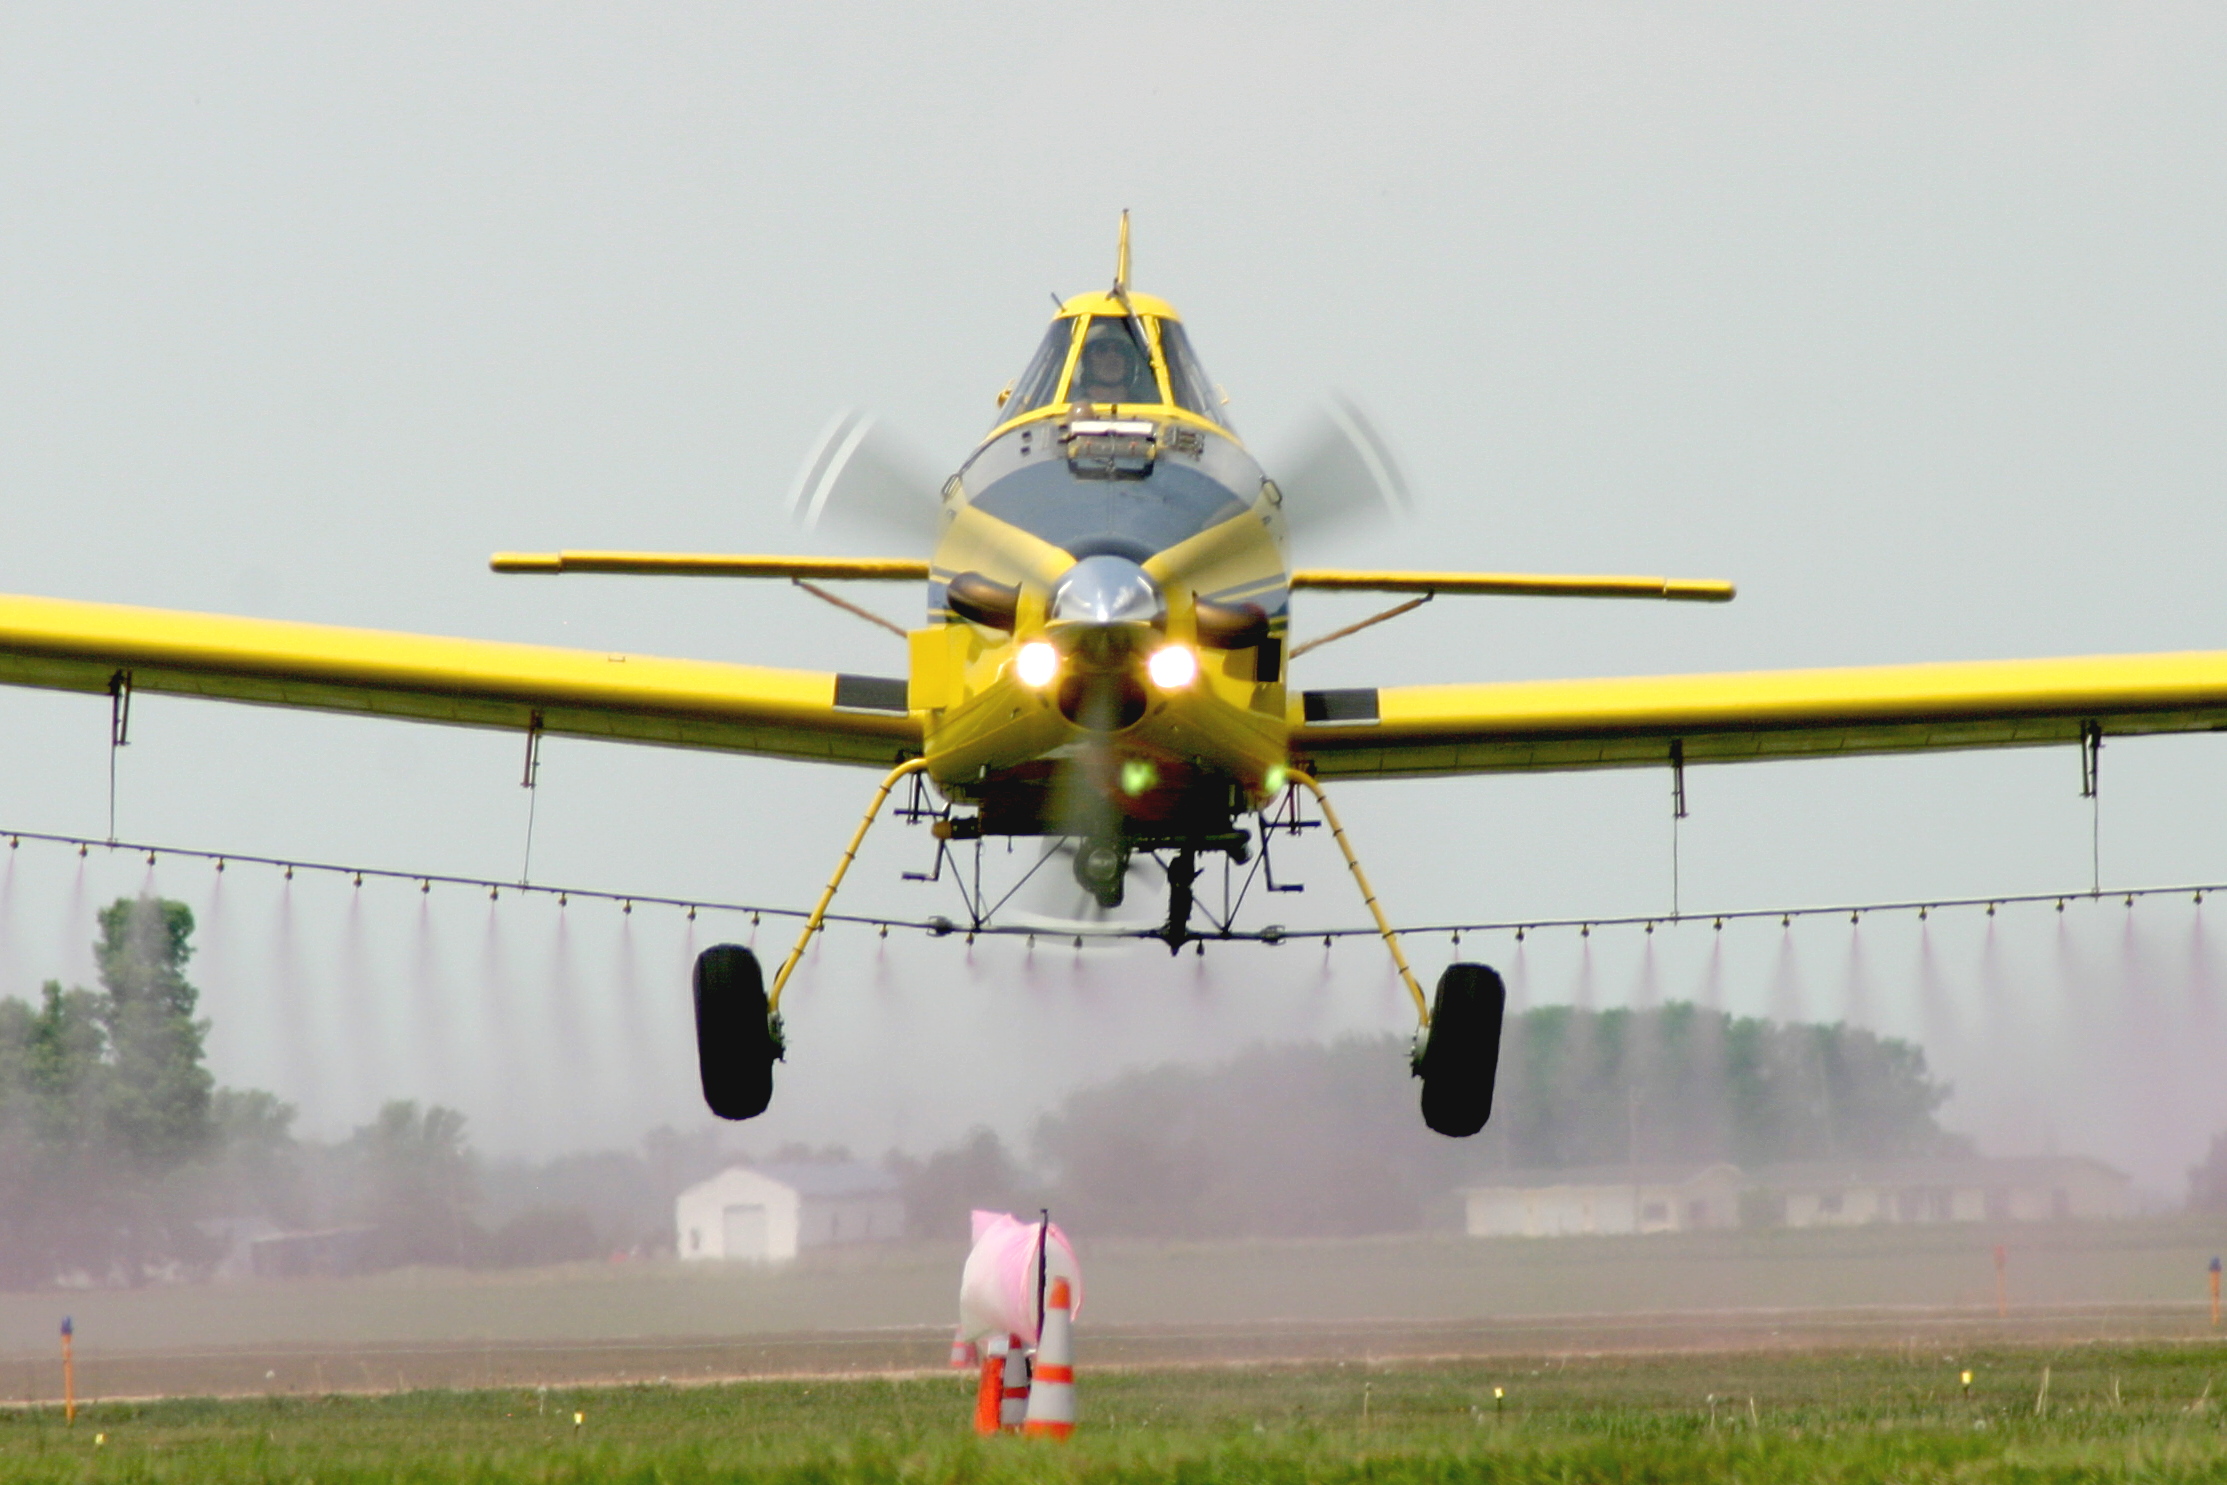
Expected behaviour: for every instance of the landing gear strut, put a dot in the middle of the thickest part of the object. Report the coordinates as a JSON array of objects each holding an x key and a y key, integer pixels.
[
  {"x": 1459, "y": 1052},
  {"x": 738, "y": 1022}
]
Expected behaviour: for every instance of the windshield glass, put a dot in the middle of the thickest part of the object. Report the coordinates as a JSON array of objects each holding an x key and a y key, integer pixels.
[
  {"x": 1113, "y": 368},
  {"x": 1186, "y": 378},
  {"x": 1041, "y": 380}
]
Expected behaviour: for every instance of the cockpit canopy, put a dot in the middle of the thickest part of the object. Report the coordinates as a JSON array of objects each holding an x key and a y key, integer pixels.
[{"x": 1126, "y": 352}]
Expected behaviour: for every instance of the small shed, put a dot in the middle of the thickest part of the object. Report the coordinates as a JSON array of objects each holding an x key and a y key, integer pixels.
[
  {"x": 768, "y": 1213},
  {"x": 1605, "y": 1199}
]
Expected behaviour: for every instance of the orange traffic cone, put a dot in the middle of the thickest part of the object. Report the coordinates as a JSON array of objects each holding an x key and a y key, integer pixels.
[
  {"x": 1016, "y": 1400},
  {"x": 989, "y": 1393},
  {"x": 1051, "y": 1402},
  {"x": 963, "y": 1354}
]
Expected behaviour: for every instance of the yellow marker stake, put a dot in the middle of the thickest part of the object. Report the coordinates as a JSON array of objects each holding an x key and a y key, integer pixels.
[
  {"x": 69, "y": 1373},
  {"x": 819, "y": 910},
  {"x": 1368, "y": 896}
]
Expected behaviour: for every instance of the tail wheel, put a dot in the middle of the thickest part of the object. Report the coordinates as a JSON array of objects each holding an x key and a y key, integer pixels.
[
  {"x": 1461, "y": 1056},
  {"x": 737, "y": 1042}
]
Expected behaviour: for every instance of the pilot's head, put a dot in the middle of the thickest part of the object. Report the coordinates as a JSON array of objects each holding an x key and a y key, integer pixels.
[{"x": 1109, "y": 370}]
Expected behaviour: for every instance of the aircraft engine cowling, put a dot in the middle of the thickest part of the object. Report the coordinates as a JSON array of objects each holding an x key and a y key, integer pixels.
[{"x": 982, "y": 600}]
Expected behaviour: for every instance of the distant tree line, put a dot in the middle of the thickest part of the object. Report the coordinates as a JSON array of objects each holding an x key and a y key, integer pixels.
[
  {"x": 122, "y": 1161},
  {"x": 1312, "y": 1140}
]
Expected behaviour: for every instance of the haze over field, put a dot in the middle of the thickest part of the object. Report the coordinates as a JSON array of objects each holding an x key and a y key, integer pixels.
[{"x": 1907, "y": 320}]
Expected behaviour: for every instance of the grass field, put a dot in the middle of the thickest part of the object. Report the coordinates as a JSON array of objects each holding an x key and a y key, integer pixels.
[{"x": 2107, "y": 1413}]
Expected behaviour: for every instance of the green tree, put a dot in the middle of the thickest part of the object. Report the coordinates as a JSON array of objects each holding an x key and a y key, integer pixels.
[
  {"x": 1582, "y": 1087},
  {"x": 416, "y": 1185},
  {"x": 255, "y": 1167},
  {"x": 158, "y": 1100},
  {"x": 941, "y": 1191},
  {"x": 59, "y": 1211},
  {"x": 155, "y": 1113},
  {"x": 111, "y": 1126}
]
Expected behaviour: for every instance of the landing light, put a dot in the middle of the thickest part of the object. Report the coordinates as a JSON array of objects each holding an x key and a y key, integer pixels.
[
  {"x": 1172, "y": 668},
  {"x": 1138, "y": 775},
  {"x": 1037, "y": 664}
]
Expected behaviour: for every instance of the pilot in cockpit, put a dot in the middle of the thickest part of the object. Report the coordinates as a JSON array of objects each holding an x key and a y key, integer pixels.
[{"x": 1111, "y": 368}]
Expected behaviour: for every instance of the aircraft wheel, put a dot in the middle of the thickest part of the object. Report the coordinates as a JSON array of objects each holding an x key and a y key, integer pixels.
[
  {"x": 1461, "y": 1056},
  {"x": 737, "y": 1043}
]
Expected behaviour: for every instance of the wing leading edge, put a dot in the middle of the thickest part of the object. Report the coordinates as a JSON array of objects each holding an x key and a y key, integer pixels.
[
  {"x": 57, "y": 644},
  {"x": 1633, "y": 722}
]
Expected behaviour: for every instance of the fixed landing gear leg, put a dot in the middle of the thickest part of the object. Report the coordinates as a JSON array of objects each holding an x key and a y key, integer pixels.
[
  {"x": 738, "y": 1022},
  {"x": 850, "y": 853},
  {"x": 1368, "y": 896},
  {"x": 1457, "y": 1053}
]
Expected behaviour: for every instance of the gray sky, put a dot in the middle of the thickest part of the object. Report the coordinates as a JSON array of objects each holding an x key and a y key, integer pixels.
[{"x": 1906, "y": 318}]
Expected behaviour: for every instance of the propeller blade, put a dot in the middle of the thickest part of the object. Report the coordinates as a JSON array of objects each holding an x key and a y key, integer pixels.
[
  {"x": 1339, "y": 470},
  {"x": 860, "y": 477}
]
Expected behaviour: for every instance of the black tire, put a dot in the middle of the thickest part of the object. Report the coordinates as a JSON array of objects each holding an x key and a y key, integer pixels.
[
  {"x": 736, "y": 1041},
  {"x": 1461, "y": 1057}
]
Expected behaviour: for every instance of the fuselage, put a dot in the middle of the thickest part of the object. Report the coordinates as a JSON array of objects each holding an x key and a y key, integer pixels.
[{"x": 1107, "y": 605}]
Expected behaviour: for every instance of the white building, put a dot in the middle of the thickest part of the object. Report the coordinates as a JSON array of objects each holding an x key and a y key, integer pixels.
[
  {"x": 1605, "y": 1199},
  {"x": 1823, "y": 1193},
  {"x": 2039, "y": 1188},
  {"x": 767, "y": 1213}
]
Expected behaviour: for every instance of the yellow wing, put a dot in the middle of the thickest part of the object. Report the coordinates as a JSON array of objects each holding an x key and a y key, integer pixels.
[
  {"x": 712, "y": 564},
  {"x": 1514, "y": 584},
  {"x": 1633, "y": 722},
  {"x": 60, "y": 645}
]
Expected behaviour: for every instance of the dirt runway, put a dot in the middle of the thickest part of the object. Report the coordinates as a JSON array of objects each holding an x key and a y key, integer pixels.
[{"x": 309, "y": 1370}]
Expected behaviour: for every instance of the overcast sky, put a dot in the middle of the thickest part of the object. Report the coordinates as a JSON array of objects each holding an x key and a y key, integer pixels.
[{"x": 1908, "y": 319}]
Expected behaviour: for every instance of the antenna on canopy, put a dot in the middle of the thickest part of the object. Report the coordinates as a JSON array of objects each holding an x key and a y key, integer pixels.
[{"x": 1120, "y": 294}]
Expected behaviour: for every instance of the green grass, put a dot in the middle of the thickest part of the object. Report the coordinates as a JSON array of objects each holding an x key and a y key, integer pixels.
[{"x": 2112, "y": 1413}]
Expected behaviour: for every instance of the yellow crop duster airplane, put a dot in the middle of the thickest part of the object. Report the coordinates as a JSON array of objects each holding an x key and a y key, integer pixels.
[{"x": 1104, "y": 662}]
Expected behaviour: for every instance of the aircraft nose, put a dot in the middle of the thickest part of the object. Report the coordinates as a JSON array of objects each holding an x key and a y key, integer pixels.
[
  {"x": 1102, "y": 611},
  {"x": 1107, "y": 590}
]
